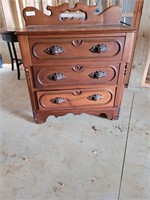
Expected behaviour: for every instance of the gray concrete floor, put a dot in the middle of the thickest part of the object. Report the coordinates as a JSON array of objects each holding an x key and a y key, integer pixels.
[{"x": 78, "y": 157}]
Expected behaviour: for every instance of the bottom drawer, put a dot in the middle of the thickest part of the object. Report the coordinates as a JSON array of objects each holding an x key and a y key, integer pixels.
[{"x": 69, "y": 99}]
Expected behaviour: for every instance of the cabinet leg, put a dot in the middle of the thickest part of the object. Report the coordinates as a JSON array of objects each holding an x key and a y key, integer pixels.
[
  {"x": 111, "y": 114},
  {"x": 39, "y": 118},
  {"x": 115, "y": 114}
]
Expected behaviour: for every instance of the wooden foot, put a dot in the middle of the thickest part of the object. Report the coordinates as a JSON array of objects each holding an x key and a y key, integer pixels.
[
  {"x": 39, "y": 118},
  {"x": 110, "y": 114}
]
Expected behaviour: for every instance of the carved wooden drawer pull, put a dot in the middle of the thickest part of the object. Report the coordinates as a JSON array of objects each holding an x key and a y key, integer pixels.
[
  {"x": 54, "y": 50},
  {"x": 56, "y": 77},
  {"x": 99, "y": 48},
  {"x": 98, "y": 74},
  {"x": 77, "y": 43},
  {"x": 95, "y": 97},
  {"x": 77, "y": 93},
  {"x": 58, "y": 100},
  {"x": 77, "y": 68}
]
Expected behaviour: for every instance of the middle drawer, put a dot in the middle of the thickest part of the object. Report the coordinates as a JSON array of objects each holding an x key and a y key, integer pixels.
[{"x": 61, "y": 76}]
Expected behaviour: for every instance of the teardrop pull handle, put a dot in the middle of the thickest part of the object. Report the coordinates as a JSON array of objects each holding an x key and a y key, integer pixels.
[
  {"x": 54, "y": 50},
  {"x": 58, "y": 100},
  {"x": 56, "y": 76},
  {"x": 97, "y": 74},
  {"x": 95, "y": 97},
  {"x": 99, "y": 48}
]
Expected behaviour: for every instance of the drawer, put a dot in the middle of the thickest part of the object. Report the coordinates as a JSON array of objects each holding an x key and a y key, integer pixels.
[
  {"x": 52, "y": 49},
  {"x": 61, "y": 76},
  {"x": 69, "y": 99}
]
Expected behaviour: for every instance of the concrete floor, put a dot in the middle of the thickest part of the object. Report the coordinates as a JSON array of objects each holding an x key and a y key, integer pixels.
[{"x": 78, "y": 157}]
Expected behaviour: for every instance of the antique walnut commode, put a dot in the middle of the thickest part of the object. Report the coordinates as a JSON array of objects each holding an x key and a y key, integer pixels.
[{"x": 75, "y": 65}]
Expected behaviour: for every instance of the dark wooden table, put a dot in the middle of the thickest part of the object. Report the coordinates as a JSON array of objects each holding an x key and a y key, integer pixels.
[{"x": 10, "y": 37}]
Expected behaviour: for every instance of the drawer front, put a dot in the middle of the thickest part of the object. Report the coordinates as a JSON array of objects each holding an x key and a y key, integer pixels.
[
  {"x": 69, "y": 99},
  {"x": 103, "y": 48},
  {"x": 61, "y": 76}
]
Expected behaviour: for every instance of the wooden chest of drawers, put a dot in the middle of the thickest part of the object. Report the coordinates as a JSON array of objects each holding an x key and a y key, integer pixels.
[{"x": 75, "y": 68}]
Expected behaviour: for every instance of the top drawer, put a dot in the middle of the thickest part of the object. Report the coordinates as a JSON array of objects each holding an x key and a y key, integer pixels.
[{"x": 80, "y": 48}]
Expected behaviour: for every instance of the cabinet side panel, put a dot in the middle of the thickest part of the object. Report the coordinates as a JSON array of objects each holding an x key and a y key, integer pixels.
[
  {"x": 128, "y": 47},
  {"x": 26, "y": 58},
  {"x": 25, "y": 51}
]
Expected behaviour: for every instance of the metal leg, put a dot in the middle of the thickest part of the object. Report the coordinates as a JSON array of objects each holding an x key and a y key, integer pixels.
[
  {"x": 16, "y": 59},
  {"x": 1, "y": 62},
  {"x": 11, "y": 56}
]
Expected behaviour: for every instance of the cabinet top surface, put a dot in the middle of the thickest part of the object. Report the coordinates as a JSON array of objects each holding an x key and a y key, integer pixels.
[{"x": 74, "y": 29}]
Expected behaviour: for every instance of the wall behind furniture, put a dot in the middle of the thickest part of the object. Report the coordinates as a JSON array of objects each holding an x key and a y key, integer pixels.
[
  {"x": 3, "y": 45},
  {"x": 142, "y": 50}
]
